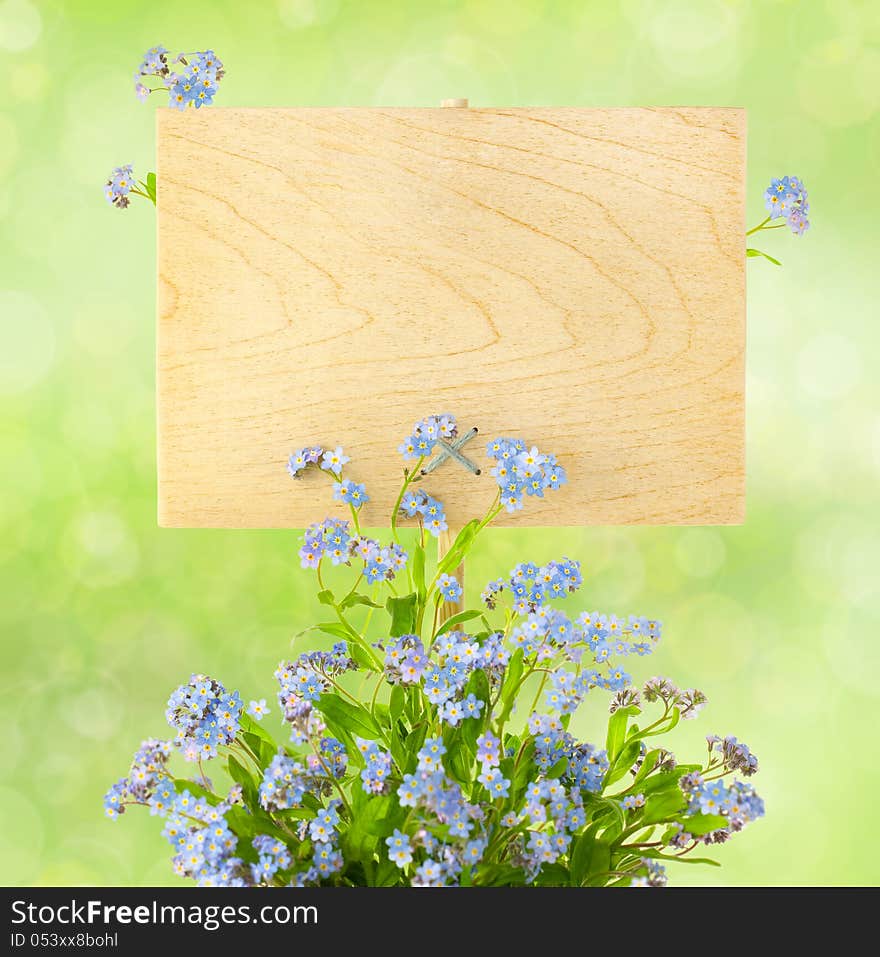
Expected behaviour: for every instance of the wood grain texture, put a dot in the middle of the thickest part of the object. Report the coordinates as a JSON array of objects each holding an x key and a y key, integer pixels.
[{"x": 572, "y": 276}]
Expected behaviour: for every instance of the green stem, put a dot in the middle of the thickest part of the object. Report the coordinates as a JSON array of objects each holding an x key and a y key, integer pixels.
[
  {"x": 408, "y": 478},
  {"x": 760, "y": 226}
]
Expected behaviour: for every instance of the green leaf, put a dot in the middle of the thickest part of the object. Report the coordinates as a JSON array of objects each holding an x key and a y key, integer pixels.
[
  {"x": 333, "y": 628},
  {"x": 397, "y": 702},
  {"x": 700, "y": 824},
  {"x": 600, "y": 864},
  {"x": 625, "y": 760},
  {"x": 458, "y": 619},
  {"x": 459, "y": 548},
  {"x": 458, "y": 758},
  {"x": 360, "y": 655},
  {"x": 360, "y": 841},
  {"x": 344, "y": 714},
  {"x": 151, "y": 186},
  {"x": 357, "y": 599},
  {"x": 241, "y": 776},
  {"x": 414, "y": 741},
  {"x": 553, "y": 875},
  {"x": 403, "y": 614},
  {"x": 558, "y": 769},
  {"x": 325, "y": 597},
  {"x": 511, "y": 684},
  {"x": 649, "y": 762},
  {"x": 398, "y": 749},
  {"x": 247, "y": 724},
  {"x": 663, "y": 806},
  {"x": 664, "y": 780},
  {"x": 523, "y": 774},
  {"x": 751, "y": 253},
  {"x": 617, "y": 731},
  {"x": 499, "y": 875},
  {"x": 472, "y": 728},
  {"x": 387, "y": 874},
  {"x": 584, "y": 852},
  {"x": 417, "y": 563},
  {"x": 608, "y": 813}
]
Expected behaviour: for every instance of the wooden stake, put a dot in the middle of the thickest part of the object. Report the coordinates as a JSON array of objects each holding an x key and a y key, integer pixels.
[{"x": 444, "y": 542}]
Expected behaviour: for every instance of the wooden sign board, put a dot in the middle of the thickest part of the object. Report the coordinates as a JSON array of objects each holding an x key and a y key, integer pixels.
[{"x": 575, "y": 277}]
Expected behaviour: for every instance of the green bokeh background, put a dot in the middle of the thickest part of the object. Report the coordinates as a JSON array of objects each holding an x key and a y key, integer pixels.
[{"x": 103, "y": 613}]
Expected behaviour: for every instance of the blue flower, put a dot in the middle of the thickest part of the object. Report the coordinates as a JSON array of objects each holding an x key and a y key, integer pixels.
[
  {"x": 494, "y": 782},
  {"x": 119, "y": 186},
  {"x": 428, "y": 874},
  {"x": 326, "y": 859},
  {"x": 351, "y": 492},
  {"x": 399, "y": 848},
  {"x": 473, "y": 850},
  {"x": 182, "y": 93},
  {"x": 334, "y": 459},
  {"x": 426, "y": 434},
  {"x": 409, "y": 791},
  {"x": 488, "y": 750},
  {"x": 786, "y": 196},
  {"x": 431, "y": 754},
  {"x": 449, "y": 588},
  {"x": 258, "y": 709},
  {"x": 412, "y": 503}
]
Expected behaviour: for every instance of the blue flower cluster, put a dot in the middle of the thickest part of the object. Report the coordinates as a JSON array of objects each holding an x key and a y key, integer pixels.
[
  {"x": 555, "y": 802},
  {"x": 203, "y": 842},
  {"x": 544, "y": 632},
  {"x": 584, "y": 765},
  {"x": 302, "y": 682},
  {"x": 737, "y": 802},
  {"x": 190, "y": 79},
  {"x": 405, "y": 660},
  {"x": 431, "y": 790},
  {"x": 426, "y": 434},
  {"x": 735, "y": 755},
  {"x": 377, "y": 768},
  {"x": 145, "y": 783},
  {"x": 654, "y": 876},
  {"x": 532, "y": 586},
  {"x": 444, "y": 679},
  {"x": 520, "y": 470},
  {"x": 429, "y": 511},
  {"x": 333, "y": 538},
  {"x": 205, "y": 716},
  {"x": 285, "y": 783},
  {"x": 273, "y": 857},
  {"x": 119, "y": 186},
  {"x": 786, "y": 196},
  {"x": 196, "y": 827}
]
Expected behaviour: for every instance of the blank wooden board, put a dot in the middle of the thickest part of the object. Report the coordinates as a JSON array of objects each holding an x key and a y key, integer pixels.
[{"x": 572, "y": 276}]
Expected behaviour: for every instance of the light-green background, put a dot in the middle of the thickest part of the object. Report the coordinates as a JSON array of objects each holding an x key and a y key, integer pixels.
[{"x": 102, "y": 613}]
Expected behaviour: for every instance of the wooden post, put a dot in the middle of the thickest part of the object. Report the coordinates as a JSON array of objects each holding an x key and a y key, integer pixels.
[{"x": 444, "y": 542}]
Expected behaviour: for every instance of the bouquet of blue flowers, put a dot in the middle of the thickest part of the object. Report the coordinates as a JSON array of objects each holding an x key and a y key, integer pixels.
[{"x": 439, "y": 752}]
